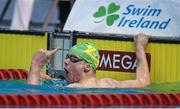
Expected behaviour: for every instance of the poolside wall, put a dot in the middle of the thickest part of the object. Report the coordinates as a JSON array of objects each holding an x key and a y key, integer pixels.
[
  {"x": 165, "y": 57},
  {"x": 18, "y": 47}
]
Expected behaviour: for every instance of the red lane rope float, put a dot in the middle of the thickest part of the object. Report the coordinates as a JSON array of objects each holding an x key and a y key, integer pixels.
[
  {"x": 166, "y": 99},
  {"x": 24, "y": 73},
  {"x": 126, "y": 99},
  {"x": 54, "y": 101},
  {"x": 16, "y": 74},
  {"x": 146, "y": 99},
  {"x": 86, "y": 100},
  {"x": 136, "y": 99},
  {"x": 106, "y": 99},
  {"x": 44, "y": 100},
  {"x": 7, "y": 74},
  {"x": 13, "y": 74},
  {"x": 91, "y": 100},
  {"x": 12, "y": 100},
  {"x": 117, "y": 101},
  {"x": 74, "y": 100},
  {"x": 157, "y": 100},
  {"x": 3, "y": 101},
  {"x": 97, "y": 101},
  {"x": 175, "y": 98},
  {"x": 23, "y": 100},
  {"x": 1, "y": 75},
  {"x": 65, "y": 101}
]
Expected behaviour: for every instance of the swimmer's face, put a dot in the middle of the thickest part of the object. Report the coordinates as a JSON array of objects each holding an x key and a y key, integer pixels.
[{"x": 74, "y": 67}]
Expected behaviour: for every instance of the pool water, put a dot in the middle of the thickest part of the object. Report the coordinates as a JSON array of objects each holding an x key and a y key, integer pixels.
[{"x": 58, "y": 87}]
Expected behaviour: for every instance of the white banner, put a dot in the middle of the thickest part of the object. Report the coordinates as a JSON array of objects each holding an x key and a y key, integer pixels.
[
  {"x": 22, "y": 14},
  {"x": 153, "y": 17}
]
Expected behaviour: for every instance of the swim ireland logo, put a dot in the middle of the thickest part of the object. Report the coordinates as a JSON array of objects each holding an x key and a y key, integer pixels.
[
  {"x": 109, "y": 14},
  {"x": 132, "y": 16}
]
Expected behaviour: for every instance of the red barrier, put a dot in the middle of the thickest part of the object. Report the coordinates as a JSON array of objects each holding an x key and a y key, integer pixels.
[{"x": 91, "y": 100}]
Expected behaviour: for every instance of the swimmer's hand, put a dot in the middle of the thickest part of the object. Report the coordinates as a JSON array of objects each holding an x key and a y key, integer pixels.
[
  {"x": 141, "y": 41},
  {"x": 42, "y": 56},
  {"x": 38, "y": 61}
]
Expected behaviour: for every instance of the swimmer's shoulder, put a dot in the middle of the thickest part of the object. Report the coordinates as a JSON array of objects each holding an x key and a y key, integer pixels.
[
  {"x": 108, "y": 83},
  {"x": 74, "y": 85}
]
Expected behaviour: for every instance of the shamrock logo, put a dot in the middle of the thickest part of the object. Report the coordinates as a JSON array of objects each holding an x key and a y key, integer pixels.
[{"x": 109, "y": 15}]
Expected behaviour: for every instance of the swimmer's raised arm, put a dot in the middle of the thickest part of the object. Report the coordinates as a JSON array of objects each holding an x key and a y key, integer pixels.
[
  {"x": 39, "y": 60},
  {"x": 142, "y": 70}
]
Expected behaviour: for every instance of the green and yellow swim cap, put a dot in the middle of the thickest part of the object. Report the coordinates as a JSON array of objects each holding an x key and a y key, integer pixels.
[{"x": 88, "y": 52}]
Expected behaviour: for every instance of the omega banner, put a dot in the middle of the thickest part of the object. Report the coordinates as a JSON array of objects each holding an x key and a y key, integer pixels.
[
  {"x": 119, "y": 61},
  {"x": 158, "y": 18}
]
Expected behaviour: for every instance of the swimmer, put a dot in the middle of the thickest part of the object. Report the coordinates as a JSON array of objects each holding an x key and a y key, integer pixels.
[{"x": 81, "y": 63}]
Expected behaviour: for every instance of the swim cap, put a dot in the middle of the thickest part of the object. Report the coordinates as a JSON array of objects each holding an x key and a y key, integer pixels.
[{"x": 88, "y": 52}]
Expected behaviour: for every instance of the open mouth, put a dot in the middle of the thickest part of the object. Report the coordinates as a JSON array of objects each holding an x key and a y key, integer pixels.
[{"x": 66, "y": 70}]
